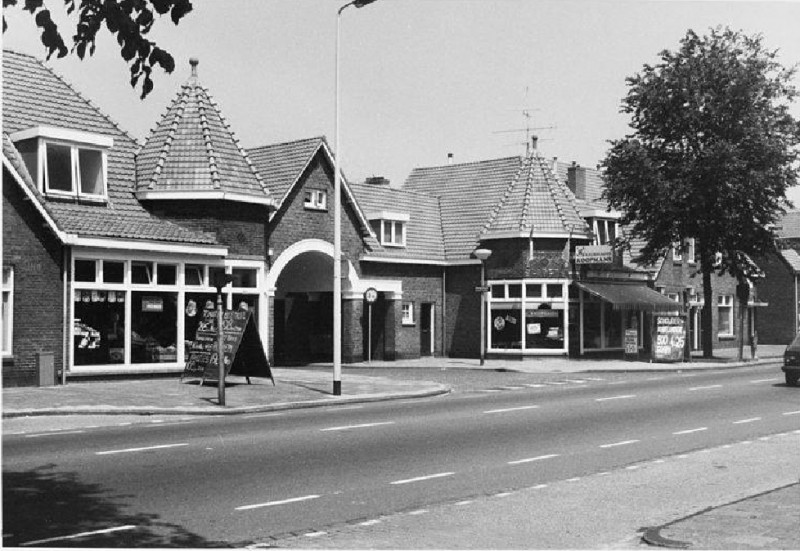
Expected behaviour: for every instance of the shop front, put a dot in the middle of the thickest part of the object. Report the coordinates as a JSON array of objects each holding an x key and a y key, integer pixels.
[{"x": 141, "y": 314}]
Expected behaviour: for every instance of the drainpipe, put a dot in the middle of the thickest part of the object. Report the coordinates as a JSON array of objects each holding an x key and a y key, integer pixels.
[
  {"x": 65, "y": 259},
  {"x": 444, "y": 310}
]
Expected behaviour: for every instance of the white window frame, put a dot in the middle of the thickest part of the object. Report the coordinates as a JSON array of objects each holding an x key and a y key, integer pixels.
[
  {"x": 75, "y": 172},
  {"x": 725, "y": 301},
  {"x": 690, "y": 250},
  {"x": 8, "y": 325},
  {"x": 677, "y": 253},
  {"x": 606, "y": 224},
  {"x": 391, "y": 239},
  {"x": 316, "y": 199},
  {"x": 408, "y": 313}
]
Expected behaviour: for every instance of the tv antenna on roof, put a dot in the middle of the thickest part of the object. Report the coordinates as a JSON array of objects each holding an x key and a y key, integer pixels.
[{"x": 529, "y": 129}]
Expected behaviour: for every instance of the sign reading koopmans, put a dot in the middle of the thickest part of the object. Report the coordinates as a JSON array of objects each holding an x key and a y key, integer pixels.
[{"x": 594, "y": 254}]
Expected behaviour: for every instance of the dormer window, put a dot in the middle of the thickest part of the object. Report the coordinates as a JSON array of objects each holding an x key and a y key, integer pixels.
[
  {"x": 604, "y": 230},
  {"x": 389, "y": 227},
  {"x": 66, "y": 163},
  {"x": 316, "y": 199}
]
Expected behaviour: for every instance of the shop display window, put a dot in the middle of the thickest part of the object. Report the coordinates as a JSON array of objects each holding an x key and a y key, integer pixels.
[
  {"x": 544, "y": 327},
  {"x": 195, "y": 303},
  {"x": 592, "y": 324},
  {"x": 215, "y": 273},
  {"x": 85, "y": 270},
  {"x": 533, "y": 290},
  {"x": 99, "y": 327},
  {"x": 167, "y": 274},
  {"x": 113, "y": 272},
  {"x": 193, "y": 274},
  {"x": 8, "y": 308},
  {"x": 142, "y": 273},
  {"x": 613, "y": 326},
  {"x": 245, "y": 277},
  {"x": 154, "y": 327},
  {"x": 506, "y": 332}
]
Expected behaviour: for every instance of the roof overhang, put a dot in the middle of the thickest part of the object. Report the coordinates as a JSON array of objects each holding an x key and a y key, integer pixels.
[
  {"x": 519, "y": 234},
  {"x": 389, "y": 260},
  {"x": 63, "y": 134},
  {"x": 207, "y": 195},
  {"x": 630, "y": 296},
  {"x": 388, "y": 215},
  {"x": 600, "y": 213},
  {"x": 199, "y": 249},
  {"x": 33, "y": 199}
]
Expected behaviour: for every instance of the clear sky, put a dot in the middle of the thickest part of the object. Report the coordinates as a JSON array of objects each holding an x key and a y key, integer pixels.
[{"x": 419, "y": 78}]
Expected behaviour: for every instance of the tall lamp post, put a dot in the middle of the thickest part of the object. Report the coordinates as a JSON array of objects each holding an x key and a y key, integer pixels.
[
  {"x": 337, "y": 221},
  {"x": 482, "y": 255}
]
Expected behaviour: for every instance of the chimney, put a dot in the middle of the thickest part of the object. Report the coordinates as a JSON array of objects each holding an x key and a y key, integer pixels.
[
  {"x": 576, "y": 180},
  {"x": 555, "y": 166},
  {"x": 449, "y": 158},
  {"x": 193, "y": 61},
  {"x": 377, "y": 181},
  {"x": 534, "y": 142}
]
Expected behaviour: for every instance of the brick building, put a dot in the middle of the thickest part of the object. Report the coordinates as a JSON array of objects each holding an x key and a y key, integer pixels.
[{"x": 111, "y": 248}]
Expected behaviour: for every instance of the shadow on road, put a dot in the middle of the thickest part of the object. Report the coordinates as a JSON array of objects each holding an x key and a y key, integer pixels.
[{"x": 41, "y": 507}]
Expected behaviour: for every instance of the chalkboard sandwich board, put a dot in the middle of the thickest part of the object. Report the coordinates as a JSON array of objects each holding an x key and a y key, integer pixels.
[{"x": 243, "y": 353}]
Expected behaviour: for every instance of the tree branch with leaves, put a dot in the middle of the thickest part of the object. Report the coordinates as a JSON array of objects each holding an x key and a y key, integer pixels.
[
  {"x": 129, "y": 21},
  {"x": 712, "y": 152}
]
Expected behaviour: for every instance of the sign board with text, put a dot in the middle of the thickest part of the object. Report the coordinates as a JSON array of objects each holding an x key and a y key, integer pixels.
[
  {"x": 670, "y": 338},
  {"x": 594, "y": 254},
  {"x": 243, "y": 353},
  {"x": 631, "y": 344}
]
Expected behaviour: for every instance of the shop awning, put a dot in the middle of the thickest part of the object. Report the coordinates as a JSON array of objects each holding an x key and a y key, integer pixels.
[{"x": 631, "y": 296}]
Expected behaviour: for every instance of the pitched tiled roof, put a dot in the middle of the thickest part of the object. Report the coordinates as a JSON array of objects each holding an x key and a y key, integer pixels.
[
  {"x": 34, "y": 95},
  {"x": 467, "y": 193},
  {"x": 281, "y": 164},
  {"x": 424, "y": 228},
  {"x": 789, "y": 225},
  {"x": 193, "y": 149},
  {"x": 535, "y": 202},
  {"x": 793, "y": 258}
]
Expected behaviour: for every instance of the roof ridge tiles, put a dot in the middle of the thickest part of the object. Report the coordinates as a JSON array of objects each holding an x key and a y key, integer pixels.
[
  {"x": 481, "y": 162},
  {"x": 501, "y": 203},
  {"x": 265, "y": 146},
  {"x": 77, "y": 92}
]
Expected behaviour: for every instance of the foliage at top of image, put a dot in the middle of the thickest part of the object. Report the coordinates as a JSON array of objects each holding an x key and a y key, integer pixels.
[{"x": 129, "y": 21}]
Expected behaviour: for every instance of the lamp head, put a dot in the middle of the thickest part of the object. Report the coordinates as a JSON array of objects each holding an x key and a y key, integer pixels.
[
  {"x": 482, "y": 254},
  {"x": 362, "y": 3}
]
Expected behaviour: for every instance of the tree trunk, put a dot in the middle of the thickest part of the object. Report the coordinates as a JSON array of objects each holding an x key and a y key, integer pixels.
[{"x": 706, "y": 315}]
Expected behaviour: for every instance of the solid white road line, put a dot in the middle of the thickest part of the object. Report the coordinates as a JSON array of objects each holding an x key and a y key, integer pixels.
[
  {"x": 129, "y": 450},
  {"x": 54, "y": 433},
  {"x": 531, "y": 459},
  {"x": 540, "y": 486},
  {"x": 766, "y": 380},
  {"x": 621, "y": 397},
  {"x": 81, "y": 535},
  {"x": 689, "y": 431},
  {"x": 535, "y": 385},
  {"x": 422, "y": 478},
  {"x": 623, "y": 443},
  {"x": 369, "y": 522},
  {"x": 361, "y": 426},
  {"x": 791, "y": 412},
  {"x": 256, "y": 415},
  {"x": 504, "y": 410},
  {"x": 705, "y": 387},
  {"x": 751, "y": 420},
  {"x": 315, "y": 534},
  {"x": 273, "y": 503}
]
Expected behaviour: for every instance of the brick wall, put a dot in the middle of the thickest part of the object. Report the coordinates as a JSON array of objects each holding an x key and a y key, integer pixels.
[
  {"x": 35, "y": 254},
  {"x": 239, "y": 226},
  {"x": 776, "y": 323}
]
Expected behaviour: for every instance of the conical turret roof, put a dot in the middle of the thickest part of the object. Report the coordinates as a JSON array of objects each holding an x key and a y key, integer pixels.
[{"x": 193, "y": 151}]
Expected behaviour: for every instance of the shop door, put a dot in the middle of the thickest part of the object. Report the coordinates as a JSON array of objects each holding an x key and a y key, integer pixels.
[
  {"x": 426, "y": 329},
  {"x": 304, "y": 328}
]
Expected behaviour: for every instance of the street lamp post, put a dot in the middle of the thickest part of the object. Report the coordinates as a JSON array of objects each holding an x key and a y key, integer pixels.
[
  {"x": 337, "y": 221},
  {"x": 482, "y": 255}
]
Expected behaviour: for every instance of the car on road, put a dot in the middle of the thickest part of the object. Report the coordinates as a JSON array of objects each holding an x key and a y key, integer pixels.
[{"x": 791, "y": 362}]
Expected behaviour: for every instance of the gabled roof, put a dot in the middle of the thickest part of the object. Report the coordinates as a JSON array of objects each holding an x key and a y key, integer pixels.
[
  {"x": 283, "y": 164},
  {"x": 193, "y": 150},
  {"x": 423, "y": 229},
  {"x": 33, "y": 95},
  {"x": 792, "y": 258},
  {"x": 535, "y": 203},
  {"x": 789, "y": 225}
]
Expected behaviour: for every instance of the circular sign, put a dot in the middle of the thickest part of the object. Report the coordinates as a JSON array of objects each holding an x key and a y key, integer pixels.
[{"x": 371, "y": 295}]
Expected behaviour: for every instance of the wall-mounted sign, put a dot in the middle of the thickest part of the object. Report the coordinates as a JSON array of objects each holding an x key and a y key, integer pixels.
[
  {"x": 152, "y": 304},
  {"x": 594, "y": 254}
]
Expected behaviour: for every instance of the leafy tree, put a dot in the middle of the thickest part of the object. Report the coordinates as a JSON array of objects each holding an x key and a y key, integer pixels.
[
  {"x": 129, "y": 21},
  {"x": 713, "y": 150}
]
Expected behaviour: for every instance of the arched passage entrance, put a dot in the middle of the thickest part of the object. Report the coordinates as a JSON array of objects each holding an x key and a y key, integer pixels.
[{"x": 302, "y": 279}]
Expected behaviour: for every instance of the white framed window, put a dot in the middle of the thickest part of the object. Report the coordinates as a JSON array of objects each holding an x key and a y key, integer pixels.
[
  {"x": 408, "y": 313},
  {"x": 8, "y": 310},
  {"x": 316, "y": 199},
  {"x": 677, "y": 253},
  {"x": 725, "y": 315},
  {"x": 605, "y": 231},
  {"x": 393, "y": 233},
  {"x": 690, "y": 250},
  {"x": 74, "y": 170}
]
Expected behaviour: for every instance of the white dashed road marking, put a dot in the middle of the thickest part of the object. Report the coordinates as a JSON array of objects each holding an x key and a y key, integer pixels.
[
  {"x": 80, "y": 535},
  {"x": 705, "y": 387},
  {"x": 129, "y": 450},
  {"x": 622, "y": 397},
  {"x": 362, "y": 426},
  {"x": 689, "y": 431},
  {"x": 422, "y": 478},
  {"x": 280, "y": 502},
  {"x": 369, "y": 522},
  {"x": 751, "y": 420},
  {"x": 623, "y": 443},
  {"x": 791, "y": 412},
  {"x": 531, "y": 459},
  {"x": 505, "y": 410},
  {"x": 54, "y": 433},
  {"x": 766, "y": 380}
]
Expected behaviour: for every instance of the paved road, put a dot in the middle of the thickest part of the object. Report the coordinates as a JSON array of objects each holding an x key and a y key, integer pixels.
[{"x": 201, "y": 482}]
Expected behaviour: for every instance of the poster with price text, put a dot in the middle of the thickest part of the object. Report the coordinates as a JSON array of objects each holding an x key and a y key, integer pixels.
[{"x": 670, "y": 337}]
